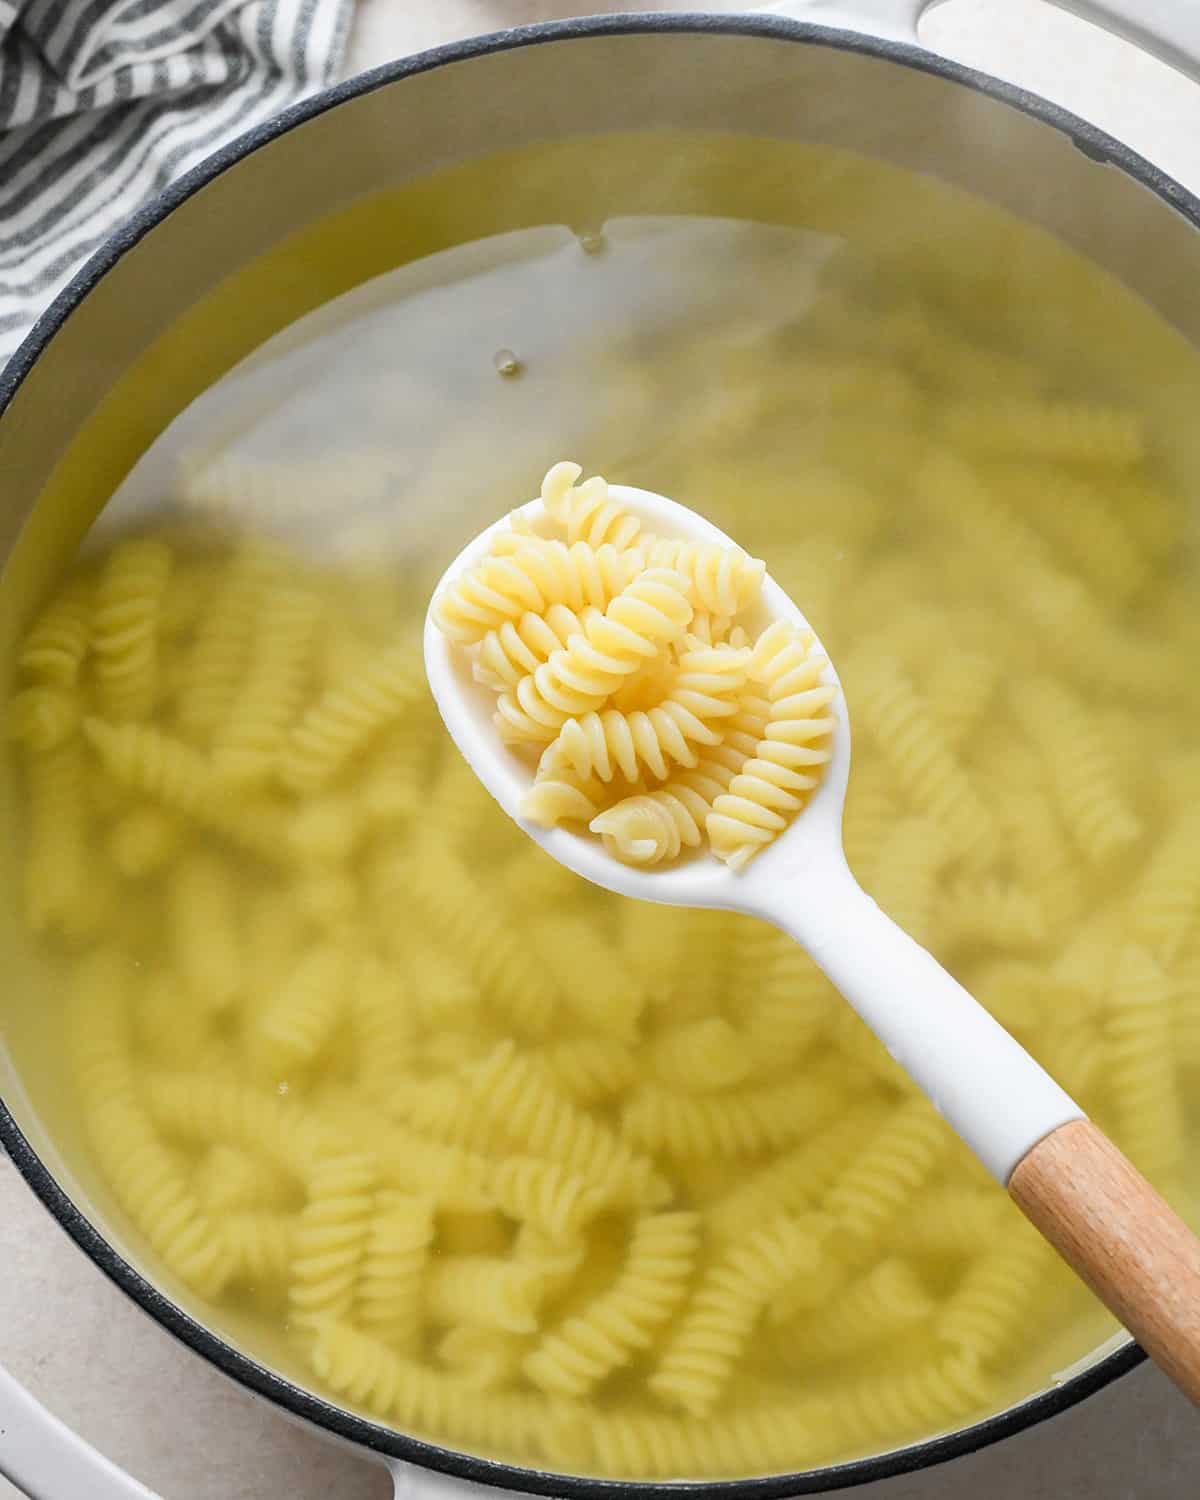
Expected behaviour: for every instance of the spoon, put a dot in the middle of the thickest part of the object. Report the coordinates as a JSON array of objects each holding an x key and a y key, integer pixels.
[{"x": 1069, "y": 1180}]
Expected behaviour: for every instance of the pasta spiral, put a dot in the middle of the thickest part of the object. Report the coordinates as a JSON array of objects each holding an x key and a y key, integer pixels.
[
  {"x": 591, "y": 1069},
  {"x": 459, "y": 912},
  {"x": 983, "y": 1319},
  {"x": 152, "y": 1187},
  {"x": 919, "y": 1396},
  {"x": 586, "y": 510},
  {"x": 299, "y": 1019},
  {"x": 773, "y": 785},
  {"x": 648, "y": 1445},
  {"x": 544, "y": 1194},
  {"x": 1082, "y": 768},
  {"x": 262, "y": 1247},
  {"x": 703, "y": 1056},
  {"x": 252, "y": 738},
  {"x": 346, "y": 717},
  {"x": 954, "y": 1221},
  {"x": 366, "y": 1372},
  {"x": 735, "y": 1123},
  {"x": 1139, "y": 1031},
  {"x": 58, "y": 896},
  {"x": 129, "y": 598},
  {"x": 651, "y": 827},
  {"x": 491, "y": 1292},
  {"x": 1075, "y": 431},
  {"x": 145, "y": 759},
  {"x": 889, "y": 1299},
  {"x": 331, "y": 1237},
  {"x": 525, "y": 1104},
  {"x": 797, "y": 1180},
  {"x": 650, "y": 612},
  {"x": 229, "y": 1178},
  {"x": 720, "y": 1317},
  {"x": 583, "y": 1350},
  {"x": 723, "y": 581},
  {"x": 705, "y": 690},
  {"x": 43, "y": 717},
  {"x": 394, "y": 1266},
  {"x": 519, "y": 647},
  {"x": 888, "y": 1171},
  {"x": 891, "y": 711},
  {"x": 57, "y": 643},
  {"x": 538, "y": 573},
  {"x": 205, "y": 933},
  {"x": 221, "y": 647}
]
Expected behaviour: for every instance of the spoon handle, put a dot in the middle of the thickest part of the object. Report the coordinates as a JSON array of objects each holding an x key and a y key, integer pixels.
[
  {"x": 977, "y": 1076},
  {"x": 1122, "y": 1239}
]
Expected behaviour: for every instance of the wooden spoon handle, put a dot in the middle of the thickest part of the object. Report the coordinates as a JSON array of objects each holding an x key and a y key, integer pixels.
[{"x": 1126, "y": 1243}]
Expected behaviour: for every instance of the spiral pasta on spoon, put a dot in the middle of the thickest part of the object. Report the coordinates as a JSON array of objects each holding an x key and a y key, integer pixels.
[{"x": 622, "y": 655}]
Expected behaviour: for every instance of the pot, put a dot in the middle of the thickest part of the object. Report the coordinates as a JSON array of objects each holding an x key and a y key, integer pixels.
[{"x": 855, "y": 78}]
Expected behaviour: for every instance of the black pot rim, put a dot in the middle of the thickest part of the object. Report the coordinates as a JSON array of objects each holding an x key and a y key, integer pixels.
[{"x": 249, "y": 1373}]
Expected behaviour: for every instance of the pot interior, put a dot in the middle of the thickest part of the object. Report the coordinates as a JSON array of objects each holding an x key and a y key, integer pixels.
[{"x": 301, "y": 1017}]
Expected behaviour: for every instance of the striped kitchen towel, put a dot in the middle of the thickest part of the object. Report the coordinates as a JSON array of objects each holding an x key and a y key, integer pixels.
[{"x": 104, "y": 102}]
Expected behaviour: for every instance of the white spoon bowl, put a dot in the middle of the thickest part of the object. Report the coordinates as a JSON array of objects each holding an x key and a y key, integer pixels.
[{"x": 467, "y": 708}]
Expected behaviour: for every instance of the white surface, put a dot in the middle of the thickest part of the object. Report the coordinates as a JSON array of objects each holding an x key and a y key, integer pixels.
[
  {"x": 111, "y": 1373},
  {"x": 979, "y": 1078},
  {"x": 46, "y": 1458}
]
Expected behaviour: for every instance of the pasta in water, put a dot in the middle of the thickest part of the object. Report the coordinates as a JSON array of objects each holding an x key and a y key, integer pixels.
[
  {"x": 669, "y": 635},
  {"x": 587, "y": 1184}
]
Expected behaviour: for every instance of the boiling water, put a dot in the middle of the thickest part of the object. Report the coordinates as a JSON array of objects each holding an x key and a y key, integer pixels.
[{"x": 963, "y": 451}]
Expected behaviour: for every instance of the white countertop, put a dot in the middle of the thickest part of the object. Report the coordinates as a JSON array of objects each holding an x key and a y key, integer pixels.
[{"x": 102, "y": 1366}]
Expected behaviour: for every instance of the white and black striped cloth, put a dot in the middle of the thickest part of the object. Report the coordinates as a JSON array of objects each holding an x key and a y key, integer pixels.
[{"x": 104, "y": 102}]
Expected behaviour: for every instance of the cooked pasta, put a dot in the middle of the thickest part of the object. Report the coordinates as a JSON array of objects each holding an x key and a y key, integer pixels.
[
  {"x": 252, "y": 737},
  {"x": 537, "y": 1191},
  {"x": 984, "y": 1317},
  {"x": 59, "y": 897},
  {"x": 587, "y": 510},
  {"x": 704, "y": 690},
  {"x": 484, "y": 1291},
  {"x": 519, "y": 647},
  {"x": 227, "y": 1177},
  {"x": 574, "y": 1357},
  {"x": 395, "y": 1263},
  {"x": 172, "y": 773},
  {"x": 720, "y": 1319},
  {"x": 788, "y": 761},
  {"x": 651, "y": 827},
  {"x": 587, "y": 1184},
  {"x": 1081, "y": 765},
  {"x": 203, "y": 920},
  {"x": 365, "y": 1371},
  {"x": 883, "y": 1176},
  {"x": 57, "y": 643},
  {"x": 125, "y": 627},
  {"x": 626, "y": 691},
  {"x": 41, "y": 718},
  {"x": 889, "y": 1299},
  {"x": 650, "y": 612},
  {"x": 346, "y": 717},
  {"x": 332, "y": 1230},
  {"x": 1108, "y": 437},
  {"x": 703, "y": 1056},
  {"x": 299, "y": 1019},
  {"x": 262, "y": 1247}
]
